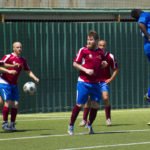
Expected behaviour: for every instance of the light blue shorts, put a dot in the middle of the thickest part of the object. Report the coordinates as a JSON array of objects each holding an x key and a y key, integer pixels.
[
  {"x": 9, "y": 92},
  {"x": 104, "y": 87},
  {"x": 85, "y": 89}
]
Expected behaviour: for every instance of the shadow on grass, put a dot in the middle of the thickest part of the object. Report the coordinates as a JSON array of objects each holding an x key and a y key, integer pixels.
[{"x": 25, "y": 130}]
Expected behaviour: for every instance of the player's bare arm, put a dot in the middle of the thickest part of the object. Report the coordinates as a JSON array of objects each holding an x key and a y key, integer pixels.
[
  {"x": 32, "y": 75},
  {"x": 81, "y": 68},
  {"x": 114, "y": 74},
  {"x": 8, "y": 71},
  {"x": 144, "y": 30},
  {"x": 11, "y": 65}
]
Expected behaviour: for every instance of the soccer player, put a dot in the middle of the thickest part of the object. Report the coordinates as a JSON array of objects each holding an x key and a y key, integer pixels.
[
  {"x": 8, "y": 85},
  {"x": 143, "y": 19},
  {"x": 88, "y": 62},
  {"x": 106, "y": 76}
]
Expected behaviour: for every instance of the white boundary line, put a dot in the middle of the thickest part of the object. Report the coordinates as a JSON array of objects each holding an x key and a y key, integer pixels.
[
  {"x": 106, "y": 146},
  {"x": 62, "y": 135}
]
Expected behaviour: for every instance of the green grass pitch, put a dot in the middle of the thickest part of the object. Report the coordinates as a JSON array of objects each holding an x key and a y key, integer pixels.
[{"x": 48, "y": 131}]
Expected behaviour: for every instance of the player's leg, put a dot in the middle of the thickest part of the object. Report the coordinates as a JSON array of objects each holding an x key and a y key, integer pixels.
[
  {"x": 14, "y": 108},
  {"x": 86, "y": 111},
  {"x": 95, "y": 99},
  {"x": 92, "y": 115},
  {"x": 147, "y": 52},
  {"x": 5, "y": 113},
  {"x": 5, "y": 95},
  {"x": 81, "y": 98},
  {"x": 1, "y": 103},
  {"x": 107, "y": 107},
  {"x": 105, "y": 96}
]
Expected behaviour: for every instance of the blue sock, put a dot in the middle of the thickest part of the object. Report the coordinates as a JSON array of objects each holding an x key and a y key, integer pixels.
[{"x": 149, "y": 92}]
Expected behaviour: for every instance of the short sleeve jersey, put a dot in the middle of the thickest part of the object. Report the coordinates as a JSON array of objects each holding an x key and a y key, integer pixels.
[
  {"x": 90, "y": 59},
  {"x": 12, "y": 59},
  {"x": 105, "y": 73},
  {"x": 145, "y": 19}
]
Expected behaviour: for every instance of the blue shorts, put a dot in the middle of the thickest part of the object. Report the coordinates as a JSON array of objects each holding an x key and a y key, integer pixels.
[
  {"x": 147, "y": 50},
  {"x": 85, "y": 89},
  {"x": 9, "y": 92},
  {"x": 104, "y": 87}
]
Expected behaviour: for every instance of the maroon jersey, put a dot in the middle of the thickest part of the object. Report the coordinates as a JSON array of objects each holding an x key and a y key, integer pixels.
[
  {"x": 12, "y": 59},
  {"x": 90, "y": 59},
  {"x": 105, "y": 73}
]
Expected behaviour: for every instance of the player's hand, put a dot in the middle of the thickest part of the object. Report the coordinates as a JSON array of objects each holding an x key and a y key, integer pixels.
[
  {"x": 108, "y": 81},
  {"x": 16, "y": 65},
  {"x": 89, "y": 71},
  {"x": 37, "y": 80},
  {"x": 13, "y": 72},
  {"x": 104, "y": 64}
]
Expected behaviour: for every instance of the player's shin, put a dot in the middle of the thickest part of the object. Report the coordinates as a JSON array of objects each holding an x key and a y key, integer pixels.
[{"x": 74, "y": 114}]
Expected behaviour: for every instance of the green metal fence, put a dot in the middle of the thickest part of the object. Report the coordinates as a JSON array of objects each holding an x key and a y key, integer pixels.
[{"x": 50, "y": 48}]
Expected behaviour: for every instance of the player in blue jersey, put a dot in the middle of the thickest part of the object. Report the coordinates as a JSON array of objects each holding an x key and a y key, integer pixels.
[{"x": 143, "y": 19}]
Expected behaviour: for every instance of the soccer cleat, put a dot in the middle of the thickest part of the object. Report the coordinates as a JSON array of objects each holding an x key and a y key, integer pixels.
[
  {"x": 82, "y": 123},
  {"x": 5, "y": 126},
  {"x": 90, "y": 129},
  {"x": 70, "y": 130},
  {"x": 146, "y": 97},
  {"x": 12, "y": 126},
  {"x": 108, "y": 122}
]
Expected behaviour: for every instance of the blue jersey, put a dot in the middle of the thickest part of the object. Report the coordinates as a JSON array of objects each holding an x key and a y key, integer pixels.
[{"x": 145, "y": 19}]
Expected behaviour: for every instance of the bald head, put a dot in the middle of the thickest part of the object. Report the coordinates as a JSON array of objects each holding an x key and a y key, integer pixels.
[
  {"x": 102, "y": 44},
  {"x": 16, "y": 43},
  {"x": 17, "y": 48}
]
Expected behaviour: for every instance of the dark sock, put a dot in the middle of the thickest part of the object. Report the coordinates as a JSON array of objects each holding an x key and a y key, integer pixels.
[
  {"x": 85, "y": 113},
  {"x": 92, "y": 116},
  {"x": 13, "y": 114},
  {"x": 108, "y": 112},
  {"x": 75, "y": 112},
  {"x": 5, "y": 112}
]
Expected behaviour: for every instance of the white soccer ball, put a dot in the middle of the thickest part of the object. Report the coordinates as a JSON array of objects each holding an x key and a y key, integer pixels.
[{"x": 30, "y": 88}]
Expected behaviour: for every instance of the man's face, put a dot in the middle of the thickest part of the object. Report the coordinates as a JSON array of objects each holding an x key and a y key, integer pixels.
[
  {"x": 102, "y": 45},
  {"x": 91, "y": 43},
  {"x": 17, "y": 48}
]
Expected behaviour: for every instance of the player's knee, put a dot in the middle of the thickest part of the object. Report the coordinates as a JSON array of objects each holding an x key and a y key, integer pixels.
[
  {"x": 106, "y": 102},
  {"x": 80, "y": 105},
  {"x": 94, "y": 105}
]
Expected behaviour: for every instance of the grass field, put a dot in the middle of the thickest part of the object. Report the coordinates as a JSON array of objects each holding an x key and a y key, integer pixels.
[{"x": 129, "y": 131}]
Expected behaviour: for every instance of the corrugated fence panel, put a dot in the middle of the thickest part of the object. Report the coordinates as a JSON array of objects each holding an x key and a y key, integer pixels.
[{"x": 50, "y": 48}]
